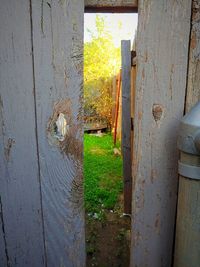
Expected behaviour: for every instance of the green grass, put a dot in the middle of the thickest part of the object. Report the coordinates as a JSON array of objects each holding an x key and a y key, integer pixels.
[{"x": 102, "y": 173}]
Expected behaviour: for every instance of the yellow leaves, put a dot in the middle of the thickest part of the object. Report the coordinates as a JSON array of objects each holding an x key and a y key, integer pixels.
[{"x": 101, "y": 62}]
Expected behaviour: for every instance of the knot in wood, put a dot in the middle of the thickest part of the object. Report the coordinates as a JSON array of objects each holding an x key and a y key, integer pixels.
[{"x": 157, "y": 112}]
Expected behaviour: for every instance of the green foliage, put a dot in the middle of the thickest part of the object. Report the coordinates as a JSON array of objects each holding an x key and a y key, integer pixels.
[
  {"x": 102, "y": 174},
  {"x": 101, "y": 62}
]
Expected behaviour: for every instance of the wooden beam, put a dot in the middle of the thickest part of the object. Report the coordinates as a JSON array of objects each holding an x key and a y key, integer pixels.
[
  {"x": 187, "y": 248},
  {"x": 58, "y": 66},
  {"x": 126, "y": 123},
  {"x": 193, "y": 82},
  {"x": 110, "y": 6},
  {"x": 3, "y": 245},
  {"x": 114, "y": 92},
  {"x": 117, "y": 106},
  {"x": 20, "y": 198},
  {"x": 133, "y": 84},
  {"x": 162, "y": 55}
]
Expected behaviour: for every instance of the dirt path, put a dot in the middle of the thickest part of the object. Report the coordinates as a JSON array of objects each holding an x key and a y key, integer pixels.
[{"x": 108, "y": 241}]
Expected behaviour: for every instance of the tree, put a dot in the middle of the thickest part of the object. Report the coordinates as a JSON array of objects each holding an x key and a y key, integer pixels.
[{"x": 101, "y": 63}]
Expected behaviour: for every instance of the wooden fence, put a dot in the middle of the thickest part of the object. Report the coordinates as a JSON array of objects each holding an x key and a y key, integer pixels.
[
  {"x": 123, "y": 116},
  {"x": 95, "y": 123},
  {"x": 41, "y": 192},
  {"x": 41, "y": 189}
]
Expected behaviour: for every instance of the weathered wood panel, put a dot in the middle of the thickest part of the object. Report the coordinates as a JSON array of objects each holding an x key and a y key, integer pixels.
[
  {"x": 114, "y": 91},
  {"x": 119, "y": 118},
  {"x": 3, "y": 258},
  {"x": 111, "y": 5},
  {"x": 187, "y": 248},
  {"x": 117, "y": 127},
  {"x": 162, "y": 49},
  {"x": 133, "y": 83},
  {"x": 131, "y": 3},
  {"x": 58, "y": 62},
  {"x": 126, "y": 123},
  {"x": 193, "y": 82},
  {"x": 19, "y": 176}
]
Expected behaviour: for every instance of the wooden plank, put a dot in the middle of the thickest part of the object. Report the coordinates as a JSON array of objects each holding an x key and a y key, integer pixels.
[
  {"x": 187, "y": 249},
  {"x": 193, "y": 82},
  {"x": 95, "y": 126},
  {"x": 116, "y": 6},
  {"x": 58, "y": 59},
  {"x": 99, "y": 3},
  {"x": 19, "y": 181},
  {"x": 117, "y": 106},
  {"x": 162, "y": 49},
  {"x": 126, "y": 123},
  {"x": 3, "y": 252},
  {"x": 119, "y": 118},
  {"x": 133, "y": 85},
  {"x": 114, "y": 91}
]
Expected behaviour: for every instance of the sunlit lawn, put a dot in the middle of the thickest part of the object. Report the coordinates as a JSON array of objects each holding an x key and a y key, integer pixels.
[{"x": 102, "y": 173}]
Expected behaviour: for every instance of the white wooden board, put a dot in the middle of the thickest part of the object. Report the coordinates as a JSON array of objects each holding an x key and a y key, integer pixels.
[
  {"x": 58, "y": 66},
  {"x": 19, "y": 173},
  {"x": 162, "y": 53}
]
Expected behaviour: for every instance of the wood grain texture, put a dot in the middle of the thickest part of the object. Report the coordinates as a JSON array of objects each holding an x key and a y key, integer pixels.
[
  {"x": 114, "y": 91},
  {"x": 126, "y": 124},
  {"x": 19, "y": 182},
  {"x": 3, "y": 245},
  {"x": 162, "y": 49},
  {"x": 111, "y": 5},
  {"x": 110, "y": 2},
  {"x": 193, "y": 82},
  {"x": 117, "y": 128},
  {"x": 187, "y": 249},
  {"x": 58, "y": 65},
  {"x": 133, "y": 85}
]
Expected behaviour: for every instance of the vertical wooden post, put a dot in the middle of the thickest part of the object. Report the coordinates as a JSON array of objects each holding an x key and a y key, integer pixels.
[
  {"x": 187, "y": 248},
  {"x": 133, "y": 83},
  {"x": 126, "y": 123},
  {"x": 21, "y": 227},
  {"x": 119, "y": 119},
  {"x": 114, "y": 91},
  {"x": 58, "y": 68},
  {"x": 193, "y": 82},
  {"x": 162, "y": 54},
  {"x": 41, "y": 177},
  {"x": 3, "y": 247},
  {"x": 117, "y": 106}
]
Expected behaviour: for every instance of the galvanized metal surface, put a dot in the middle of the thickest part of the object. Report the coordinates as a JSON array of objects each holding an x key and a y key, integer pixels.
[
  {"x": 188, "y": 142},
  {"x": 189, "y": 171},
  {"x": 188, "y": 139}
]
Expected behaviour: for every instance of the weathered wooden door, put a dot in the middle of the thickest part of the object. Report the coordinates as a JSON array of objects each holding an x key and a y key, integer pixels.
[
  {"x": 126, "y": 123},
  {"x": 41, "y": 199},
  {"x": 162, "y": 56}
]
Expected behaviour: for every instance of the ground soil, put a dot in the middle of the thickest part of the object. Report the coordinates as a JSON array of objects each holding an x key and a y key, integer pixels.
[{"x": 108, "y": 240}]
